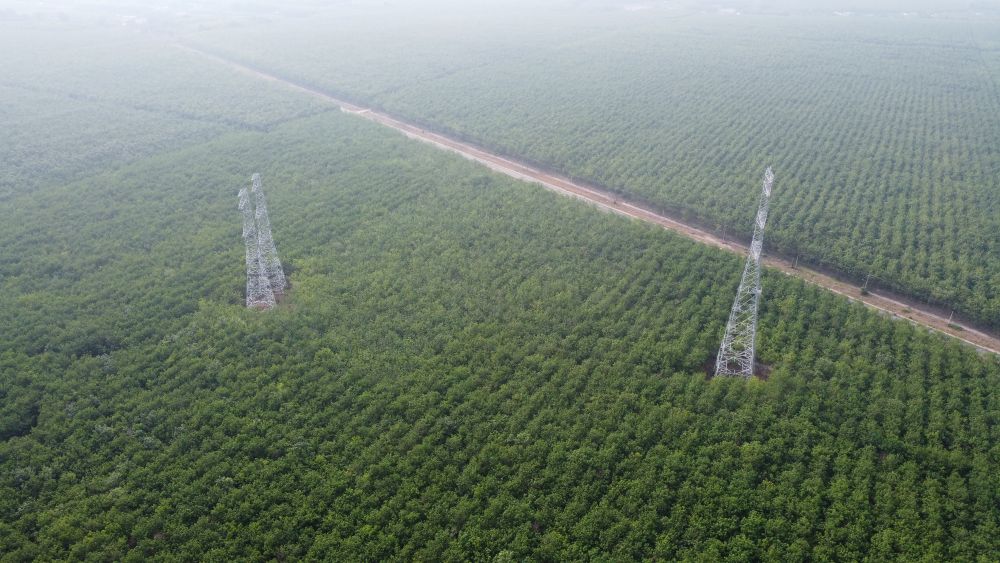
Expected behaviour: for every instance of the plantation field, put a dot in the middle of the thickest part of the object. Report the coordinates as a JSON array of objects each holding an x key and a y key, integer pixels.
[
  {"x": 882, "y": 132},
  {"x": 467, "y": 367},
  {"x": 78, "y": 101}
]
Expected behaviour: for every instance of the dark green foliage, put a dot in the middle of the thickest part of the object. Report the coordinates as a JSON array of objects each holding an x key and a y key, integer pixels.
[
  {"x": 470, "y": 367},
  {"x": 886, "y": 161},
  {"x": 467, "y": 368}
]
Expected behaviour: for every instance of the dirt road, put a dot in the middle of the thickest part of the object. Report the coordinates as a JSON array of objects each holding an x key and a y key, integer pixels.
[{"x": 614, "y": 203}]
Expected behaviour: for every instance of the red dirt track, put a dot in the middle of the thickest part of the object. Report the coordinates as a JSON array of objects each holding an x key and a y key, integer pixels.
[{"x": 610, "y": 202}]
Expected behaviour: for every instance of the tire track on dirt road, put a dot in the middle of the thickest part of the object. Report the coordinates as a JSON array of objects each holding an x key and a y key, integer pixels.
[{"x": 616, "y": 204}]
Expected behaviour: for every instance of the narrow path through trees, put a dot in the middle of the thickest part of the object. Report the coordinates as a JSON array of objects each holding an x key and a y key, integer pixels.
[{"x": 604, "y": 200}]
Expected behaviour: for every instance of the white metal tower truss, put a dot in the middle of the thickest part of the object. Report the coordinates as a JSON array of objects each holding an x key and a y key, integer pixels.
[
  {"x": 269, "y": 254},
  {"x": 259, "y": 292},
  {"x": 736, "y": 355}
]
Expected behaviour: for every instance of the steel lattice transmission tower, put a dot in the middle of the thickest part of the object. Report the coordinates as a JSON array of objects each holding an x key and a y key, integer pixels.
[
  {"x": 269, "y": 254},
  {"x": 736, "y": 355},
  {"x": 259, "y": 292}
]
